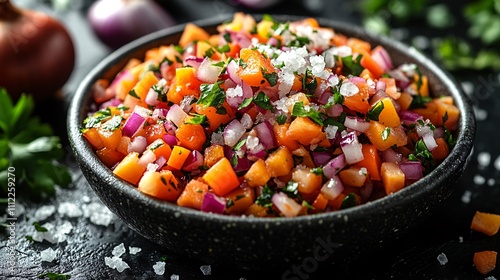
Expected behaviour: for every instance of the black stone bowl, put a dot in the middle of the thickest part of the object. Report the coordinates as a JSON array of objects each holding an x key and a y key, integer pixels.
[{"x": 270, "y": 242}]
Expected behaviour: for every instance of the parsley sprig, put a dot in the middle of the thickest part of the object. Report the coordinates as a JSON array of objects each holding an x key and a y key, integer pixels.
[{"x": 30, "y": 147}]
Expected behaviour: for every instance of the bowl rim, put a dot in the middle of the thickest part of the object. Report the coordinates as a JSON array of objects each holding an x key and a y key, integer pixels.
[{"x": 459, "y": 154}]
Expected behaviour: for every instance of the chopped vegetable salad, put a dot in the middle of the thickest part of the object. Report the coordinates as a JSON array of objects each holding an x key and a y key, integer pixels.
[{"x": 269, "y": 119}]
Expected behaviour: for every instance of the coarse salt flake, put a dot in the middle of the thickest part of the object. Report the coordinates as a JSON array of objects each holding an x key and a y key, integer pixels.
[
  {"x": 159, "y": 268},
  {"x": 174, "y": 277},
  {"x": 483, "y": 159},
  {"x": 348, "y": 89},
  {"x": 48, "y": 255},
  {"x": 318, "y": 66},
  {"x": 496, "y": 163},
  {"x": 234, "y": 92},
  {"x": 206, "y": 269},
  {"x": 119, "y": 250},
  {"x": 252, "y": 142},
  {"x": 134, "y": 250},
  {"x": 442, "y": 259},
  {"x": 116, "y": 263},
  {"x": 44, "y": 212},
  {"x": 331, "y": 131},
  {"x": 490, "y": 278},
  {"x": 479, "y": 180},
  {"x": 466, "y": 197},
  {"x": 69, "y": 209}
]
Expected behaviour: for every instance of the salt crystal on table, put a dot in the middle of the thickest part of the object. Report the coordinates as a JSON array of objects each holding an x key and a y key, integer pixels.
[
  {"x": 44, "y": 212},
  {"x": 497, "y": 163},
  {"x": 159, "y": 268},
  {"x": 490, "y": 278},
  {"x": 48, "y": 255},
  {"x": 20, "y": 209},
  {"x": 174, "y": 277},
  {"x": 134, "y": 250},
  {"x": 479, "y": 180},
  {"x": 206, "y": 269},
  {"x": 85, "y": 199},
  {"x": 483, "y": 159},
  {"x": 442, "y": 259},
  {"x": 69, "y": 209},
  {"x": 97, "y": 213},
  {"x": 118, "y": 250},
  {"x": 116, "y": 263},
  {"x": 466, "y": 197}
]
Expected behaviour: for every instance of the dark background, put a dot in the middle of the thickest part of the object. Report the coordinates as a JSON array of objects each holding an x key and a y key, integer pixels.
[{"x": 413, "y": 257}]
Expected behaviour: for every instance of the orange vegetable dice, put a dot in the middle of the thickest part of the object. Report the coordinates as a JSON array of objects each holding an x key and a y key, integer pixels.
[
  {"x": 193, "y": 194},
  {"x": 486, "y": 223},
  {"x": 392, "y": 177},
  {"x": 129, "y": 169},
  {"x": 280, "y": 162},
  {"x": 485, "y": 261},
  {"x": 178, "y": 157},
  {"x": 308, "y": 181},
  {"x": 256, "y": 65},
  {"x": 221, "y": 177},
  {"x": 257, "y": 175},
  {"x": 162, "y": 185},
  {"x": 241, "y": 199}
]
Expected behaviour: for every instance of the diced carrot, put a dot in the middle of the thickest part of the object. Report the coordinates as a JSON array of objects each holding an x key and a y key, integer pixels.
[
  {"x": 154, "y": 132},
  {"x": 192, "y": 33},
  {"x": 390, "y": 88},
  {"x": 129, "y": 168},
  {"x": 297, "y": 84},
  {"x": 280, "y": 162},
  {"x": 485, "y": 261},
  {"x": 221, "y": 177},
  {"x": 442, "y": 150},
  {"x": 109, "y": 156},
  {"x": 392, "y": 177},
  {"x": 256, "y": 210},
  {"x": 257, "y": 175},
  {"x": 241, "y": 199},
  {"x": 306, "y": 132},
  {"x": 185, "y": 84},
  {"x": 308, "y": 182},
  {"x": 388, "y": 116},
  {"x": 353, "y": 176},
  {"x": 93, "y": 137},
  {"x": 404, "y": 101},
  {"x": 256, "y": 65},
  {"x": 384, "y": 137},
  {"x": 160, "y": 149},
  {"x": 213, "y": 154},
  {"x": 429, "y": 112},
  {"x": 486, "y": 223},
  {"x": 193, "y": 194},
  {"x": 191, "y": 136},
  {"x": 359, "y": 102},
  {"x": 424, "y": 87},
  {"x": 307, "y": 160},
  {"x": 110, "y": 138},
  {"x": 358, "y": 45},
  {"x": 319, "y": 203},
  {"x": 162, "y": 185},
  {"x": 123, "y": 145},
  {"x": 178, "y": 157},
  {"x": 452, "y": 113},
  {"x": 142, "y": 87},
  {"x": 371, "y": 161},
  {"x": 370, "y": 64},
  {"x": 337, "y": 202},
  {"x": 280, "y": 132},
  {"x": 215, "y": 119}
]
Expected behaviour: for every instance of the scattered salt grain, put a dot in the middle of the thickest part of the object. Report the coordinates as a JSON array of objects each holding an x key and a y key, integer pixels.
[
  {"x": 159, "y": 268},
  {"x": 119, "y": 250},
  {"x": 206, "y": 269},
  {"x": 497, "y": 163},
  {"x": 460, "y": 239},
  {"x": 48, "y": 255},
  {"x": 331, "y": 131},
  {"x": 241, "y": 278},
  {"x": 491, "y": 182},
  {"x": 442, "y": 259},
  {"x": 98, "y": 214},
  {"x": 54, "y": 234},
  {"x": 480, "y": 114},
  {"x": 217, "y": 139},
  {"x": 134, "y": 250},
  {"x": 479, "y": 180},
  {"x": 69, "y": 209},
  {"x": 85, "y": 199},
  {"x": 20, "y": 209},
  {"x": 483, "y": 159},
  {"x": 348, "y": 89},
  {"x": 116, "y": 263},
  {"x": 44, "y": 212},
  {"x": 235, "y": 92},
  {"x": 174, "y": 277},
  {"x": 466, "y": 197},
  {"x": 490, "y": 278}
]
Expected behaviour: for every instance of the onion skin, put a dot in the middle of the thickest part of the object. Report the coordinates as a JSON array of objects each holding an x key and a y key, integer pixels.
[
  {"x": 36, "y": 51},
  {"x": 117, "y": 22}
]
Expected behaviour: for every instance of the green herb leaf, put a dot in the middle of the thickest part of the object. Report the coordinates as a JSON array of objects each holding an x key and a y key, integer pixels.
[
  {"x": 246, "y": 102},
  {"x": 317, "y": 170},
  {"x": 212, "y": 95},
  {"x": 240, "y": 144},
  {"x": 349, "y": 201},
  {"x": 374, "y": 112},
  {"x": 291, "y": 189},
  {"x": 351, "y": 66},
  {"x": 300, "y": 111},
  {"x": 265, "y": 198},
  {"x": 386, "y": 133},
  {"x": 272, "y": 78},
  {"x": 197, "y": 119},
  {"x": 263, "y": 101},
  {"x": 54, "y": 276},
  {"x": 281, "y": 119},
  {"x": 419, "y": 101},
  {"x": 229, "y": 203},
  {"x": 39, "y": 228},
  {"x": 133, "y": 94}
]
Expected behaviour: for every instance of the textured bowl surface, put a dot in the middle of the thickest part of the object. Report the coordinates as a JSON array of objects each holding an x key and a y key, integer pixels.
[{"x": 264, "y": 242}]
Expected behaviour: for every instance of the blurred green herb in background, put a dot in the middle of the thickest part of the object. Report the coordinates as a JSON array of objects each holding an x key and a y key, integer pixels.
[
  {"x": 476, "y": 49},
  {"x": 28, "y": 146}
]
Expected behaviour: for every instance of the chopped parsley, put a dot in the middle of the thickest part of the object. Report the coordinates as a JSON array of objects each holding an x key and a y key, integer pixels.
[
  {"x": 386, "y": 133},
  {"x": 281, "y": 119},
  {"x": 317, "y": 170},
  {"x": 96, "y": 119},
  {"x": 246, "y": 102},
  {"x": 423, "y": 154},
  {"x": 212, "y": 95},
  {"x": 291, "y": 189},
  {"x": 349, "y": 201},
  {"x": 263, "y": 101},
  {"x": 112, "y": 124},
  {"x": 374, "y": 112},
  {"x": 264, "y": 199},
  {"x": 300, "y": 111},
  {"x": 352, "y": 66},
  {"x": 38, "y": 227},
  {"x": 272, "y": 77},
  {"x": 133, "y": 94},
  {"x": 419, "y": 101},
  {"x": 239, "y": 145},
  {"x": 197, "y": 119}
]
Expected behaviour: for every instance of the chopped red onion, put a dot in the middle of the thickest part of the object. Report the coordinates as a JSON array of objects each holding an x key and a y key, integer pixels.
[
  {"x": 133, "y": 124},
  {"x": 138, "y": 144},
  {"x": 438, "y": 132},
  {"x": 240, "y": 38},
  {"x": 331, "y": 168},
  {"x": 246, "y": 121},
  {"x": 382, "y": 58},
  {"x": 429, "y": 141},
  {"x": 389, "y": 155},
  {"x": 402, "y": 80},
  {"x": 335, "y": 110},
  {"x": 169, "y": 127},
  {"x": 321, "y": 158},
  {"x": 243, "y": 164},
  {"x": 160, "y": 162},
  {"x": 152, "y": 97},
  {"x": 286, "y": 205},
  {"x": 193, "y": 61},
  {"x": 380, "y": 94},
  {"x": 232, "y": 68},
  {"x": 357, "y": 80},
  {"x": 208, "y": 72},
  {"x": 233, "y": 132},
  {"x": 380, "y": 86},
  {"x": 170, "y": 139},
  {"x": 351, "y": 147},
  {"x": 409, "y": 117},
  {"x": 266, "y": 135},
  {"x": 159, "y": 113},
  {"x": 256, "y": 153},
  {"x": 333, "y": 188},
  {"x": 193, "y": 161},
  {"x": 147, "y": 157},
  {"x": 213, "y": 203},
  {"x": 356, "y": 124},
  {"x": 176, "y": 115},
  {"x": 413, "y": 170}
]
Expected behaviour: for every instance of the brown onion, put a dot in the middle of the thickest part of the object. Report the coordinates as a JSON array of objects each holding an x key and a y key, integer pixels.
[{"x": 37, "y": 54}]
